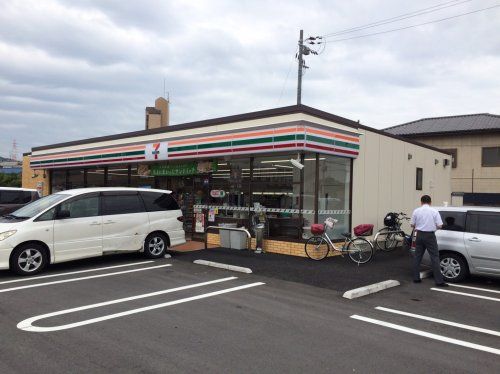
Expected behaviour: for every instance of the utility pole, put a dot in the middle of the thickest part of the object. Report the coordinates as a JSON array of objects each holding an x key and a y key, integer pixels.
[
  {"x": 304, "y": 51},
  {"x": 301, "y": 63}
]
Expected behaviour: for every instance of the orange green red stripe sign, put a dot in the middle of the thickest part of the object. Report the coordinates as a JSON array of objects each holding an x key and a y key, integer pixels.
[{"x": 248, "y": 141}]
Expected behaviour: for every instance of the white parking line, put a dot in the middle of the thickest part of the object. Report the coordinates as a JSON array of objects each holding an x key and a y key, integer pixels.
[
  {"x": 442, "y": 321},
  {"x": 83, "y": 278},
  {"x": 122, "y": 300},
  {"x": 428, "y": 335},
  {"x": 473, "y": 288},
  {"x": 75, "y": 272},
  {"x": 466, "y": 294},
  {"x": 27, "y": 324}
]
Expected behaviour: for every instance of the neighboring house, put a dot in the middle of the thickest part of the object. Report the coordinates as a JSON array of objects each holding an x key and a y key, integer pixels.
[{"x": 474, "y": 142}]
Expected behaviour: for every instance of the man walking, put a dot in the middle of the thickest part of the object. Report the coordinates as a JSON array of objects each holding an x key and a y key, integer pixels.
[{"x": 425, "y": 221}]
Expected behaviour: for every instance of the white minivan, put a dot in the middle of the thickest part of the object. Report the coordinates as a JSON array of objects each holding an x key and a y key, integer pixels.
[{"x": 89, "y": 222}]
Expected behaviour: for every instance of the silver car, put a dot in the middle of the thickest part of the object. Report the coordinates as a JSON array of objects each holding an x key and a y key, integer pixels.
[{"x": 469, "y": 242}]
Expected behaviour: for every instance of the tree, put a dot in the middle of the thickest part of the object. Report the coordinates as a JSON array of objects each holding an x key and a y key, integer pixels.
[{"x": 10, "y": 180}]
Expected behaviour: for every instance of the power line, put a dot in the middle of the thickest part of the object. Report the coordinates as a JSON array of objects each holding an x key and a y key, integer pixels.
[
  {"x": 401, "y": 17},
  {"x": 416, "y": 25},
  {"x": 286, "y": 79}
]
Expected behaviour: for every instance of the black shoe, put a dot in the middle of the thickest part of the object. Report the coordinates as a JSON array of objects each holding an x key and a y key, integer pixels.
[
  {"x": 417, "y": 281},
  {"x": 442, "y": 285}
]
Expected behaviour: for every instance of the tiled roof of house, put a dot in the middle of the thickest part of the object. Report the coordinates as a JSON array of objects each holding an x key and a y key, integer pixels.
[{"x": 469, "y": 123}]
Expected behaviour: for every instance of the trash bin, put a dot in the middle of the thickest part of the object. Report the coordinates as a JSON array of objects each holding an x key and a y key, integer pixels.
[
  {"x": 238, "y": 239},
  {"x": 259, "y": 237},
  {"x": 225, "y": 238}
]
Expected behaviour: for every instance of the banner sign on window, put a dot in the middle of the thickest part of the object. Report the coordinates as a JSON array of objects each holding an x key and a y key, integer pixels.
[
  {"x": 187, "y": 168},
  {"x": 200, "y": 222}
]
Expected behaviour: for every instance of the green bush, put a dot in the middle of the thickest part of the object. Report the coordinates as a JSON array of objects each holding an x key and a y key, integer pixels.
[{"x": 10, "y": 180}]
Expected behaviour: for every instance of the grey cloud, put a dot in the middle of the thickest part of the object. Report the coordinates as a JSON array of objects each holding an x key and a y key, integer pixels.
[{"x": 77, "y": 69}]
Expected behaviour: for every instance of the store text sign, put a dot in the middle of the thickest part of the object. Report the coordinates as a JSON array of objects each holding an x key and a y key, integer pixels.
[{"x": 218, "y": 193}]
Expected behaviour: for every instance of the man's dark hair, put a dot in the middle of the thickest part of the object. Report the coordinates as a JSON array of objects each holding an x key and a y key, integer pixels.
[{"x": 426, "y": 199}]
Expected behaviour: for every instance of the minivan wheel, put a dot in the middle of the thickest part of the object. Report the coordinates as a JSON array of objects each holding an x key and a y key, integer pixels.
[
  {"x": 453, "y": 267},
  {"x": 28, "y": 259},
  {"x": 155, "y": 245}
]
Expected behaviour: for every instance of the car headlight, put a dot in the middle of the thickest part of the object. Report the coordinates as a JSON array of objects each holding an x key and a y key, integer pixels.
[{"x": 6, "y": 234}]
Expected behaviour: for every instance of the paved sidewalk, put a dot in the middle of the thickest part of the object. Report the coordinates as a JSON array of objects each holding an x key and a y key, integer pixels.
[{"x": 336, "y": 273}]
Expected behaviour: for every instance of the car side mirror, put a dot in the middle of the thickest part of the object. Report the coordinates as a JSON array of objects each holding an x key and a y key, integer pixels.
[{"x": 63, "y": 214}]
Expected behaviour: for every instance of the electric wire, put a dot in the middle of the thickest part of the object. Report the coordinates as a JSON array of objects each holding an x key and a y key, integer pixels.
[
  {"x": 415, "y": 25},
  {"x": 286, "y": 79},
  {"x": 398, "y": 18}
]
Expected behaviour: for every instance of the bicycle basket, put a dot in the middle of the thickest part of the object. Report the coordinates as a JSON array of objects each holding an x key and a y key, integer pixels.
[
  {"x": 390, "y": 219},
  {"x": 365, "y": 229},
  {"x": 317, "y": 229}
]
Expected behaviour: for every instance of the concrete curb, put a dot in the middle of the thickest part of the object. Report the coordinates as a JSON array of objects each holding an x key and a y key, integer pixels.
[
  {"x": 219, "y": 265},
  {"x": 372, "y": 288}
]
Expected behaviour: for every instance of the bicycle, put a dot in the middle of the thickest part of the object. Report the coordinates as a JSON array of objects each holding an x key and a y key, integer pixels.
[
  {"x": 387, "y": 238},
  {"x": 318, "y": 246}
]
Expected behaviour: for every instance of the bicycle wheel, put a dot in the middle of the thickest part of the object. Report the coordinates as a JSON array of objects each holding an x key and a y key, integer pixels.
[
  {"x": 386, "y": 241},
  {"x": 360, "y": 250},
  {"x": 317, "y": 248}
]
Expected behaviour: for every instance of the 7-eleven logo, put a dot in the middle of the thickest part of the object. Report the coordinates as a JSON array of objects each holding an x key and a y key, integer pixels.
[{"x": 156, "y": 151}]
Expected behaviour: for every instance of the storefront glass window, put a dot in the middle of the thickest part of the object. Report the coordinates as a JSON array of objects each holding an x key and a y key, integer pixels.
[
  {"x": 95, "y": 177},
  {"x": 75, "y": 179},
  {"x": 230, "y": 186},
  {"x": 276, "y": 190},
  {"x": 309, "y": 188},
  {"x": 334, "y": 192},
  {"x": 118, "y": 176},
  {"x": 140, "y": 179},
  {"x": 58, "y": 180}
]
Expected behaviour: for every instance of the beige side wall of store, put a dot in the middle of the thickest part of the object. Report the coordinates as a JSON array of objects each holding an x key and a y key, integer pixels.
[{"x": 384, "y": 178}]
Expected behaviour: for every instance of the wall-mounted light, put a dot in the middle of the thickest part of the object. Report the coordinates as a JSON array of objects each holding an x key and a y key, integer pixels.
[
  {"x": 436, "y": 161},
  {"x": 446, "y": 162},
  {"x": 34, "y": 175},
  {"x": 410, "y": 156}
]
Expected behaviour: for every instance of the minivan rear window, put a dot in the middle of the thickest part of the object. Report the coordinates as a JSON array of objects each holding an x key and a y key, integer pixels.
[
  {"x": 157, "y": 201},
  {"x": 453, "y": 221},
  {"x": 121, "y": 204},
  {"x": 15, "y": 197}
]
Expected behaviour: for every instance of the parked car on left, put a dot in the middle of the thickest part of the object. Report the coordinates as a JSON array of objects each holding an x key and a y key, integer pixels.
[
  {"x": 12, "y": 198},
  {"x": 89, "y": 222}
]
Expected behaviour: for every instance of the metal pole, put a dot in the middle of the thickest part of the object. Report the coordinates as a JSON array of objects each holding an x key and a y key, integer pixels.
[
  {"x": 299, "y": 84},
  {"x": 472, "y": 180}
]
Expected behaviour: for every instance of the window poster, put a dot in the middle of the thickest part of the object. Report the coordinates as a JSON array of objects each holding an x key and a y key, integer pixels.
[{"x": 200, "y": 222}]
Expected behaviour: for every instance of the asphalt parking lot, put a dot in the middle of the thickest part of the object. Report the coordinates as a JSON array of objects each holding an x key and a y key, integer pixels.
[{"x": 123, "y": 313}]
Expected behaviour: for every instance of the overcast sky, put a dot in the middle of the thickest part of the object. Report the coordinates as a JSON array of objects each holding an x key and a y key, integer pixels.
[{"x": 81, "y": 68}]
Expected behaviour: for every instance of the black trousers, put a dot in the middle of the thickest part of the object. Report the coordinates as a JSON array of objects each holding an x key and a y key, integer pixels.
[{"x": 427, "y": 241}]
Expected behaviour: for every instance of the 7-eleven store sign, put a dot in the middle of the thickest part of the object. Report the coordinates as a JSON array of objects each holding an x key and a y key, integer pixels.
[{"x": 157, "y": 151}]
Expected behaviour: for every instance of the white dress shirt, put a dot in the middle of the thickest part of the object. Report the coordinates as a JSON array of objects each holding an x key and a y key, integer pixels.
[{"x": 426, "y": 218}]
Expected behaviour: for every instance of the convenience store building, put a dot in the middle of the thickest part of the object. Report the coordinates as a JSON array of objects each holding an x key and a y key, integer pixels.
[{"x": 229, "y": 169}]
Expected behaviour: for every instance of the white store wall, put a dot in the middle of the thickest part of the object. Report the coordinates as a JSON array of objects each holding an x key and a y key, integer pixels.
[{"x": 384, "y": 180}]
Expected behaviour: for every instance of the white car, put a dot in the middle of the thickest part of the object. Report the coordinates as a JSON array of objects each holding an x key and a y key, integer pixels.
[
  {"x": 89, "y": 222},
  {"x": 469, "y": 242}
]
